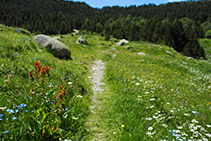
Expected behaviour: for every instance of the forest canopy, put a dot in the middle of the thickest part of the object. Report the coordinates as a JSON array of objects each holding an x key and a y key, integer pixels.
[{"x": 178, "y": 25}]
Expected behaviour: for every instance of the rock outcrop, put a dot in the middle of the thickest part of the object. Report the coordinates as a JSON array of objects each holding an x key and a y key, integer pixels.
[
  {"x": 55, "y": 47},
  {"x": 81, "y": 40}
]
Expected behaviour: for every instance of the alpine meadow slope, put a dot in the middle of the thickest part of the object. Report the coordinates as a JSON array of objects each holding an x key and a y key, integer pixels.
[{"x": 149, "y": 94}]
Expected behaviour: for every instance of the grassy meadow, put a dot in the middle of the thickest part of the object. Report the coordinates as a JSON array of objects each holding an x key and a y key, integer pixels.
[{"x": 147, "y": 97}]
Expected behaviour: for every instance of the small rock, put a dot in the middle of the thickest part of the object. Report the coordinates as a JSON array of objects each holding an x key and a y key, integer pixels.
[
  {"x": 122, "y": 42},
  {"x": 127, "y": 47},
  {"x": 141, "y": 53},
  {"x": 170, "y": 53},
  {"x": 1, "y": 29},
  {"x": 190, "y": 58},
  {"x": 81, "y": 40},
  {"x": 185, "y": 63}
]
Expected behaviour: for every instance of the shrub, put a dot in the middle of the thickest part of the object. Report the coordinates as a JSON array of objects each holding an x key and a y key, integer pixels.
[{"x": 208, "y": 34}]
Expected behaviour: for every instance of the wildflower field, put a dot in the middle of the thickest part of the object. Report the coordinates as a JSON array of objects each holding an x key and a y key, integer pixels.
[{"x": 147, "y": 97}]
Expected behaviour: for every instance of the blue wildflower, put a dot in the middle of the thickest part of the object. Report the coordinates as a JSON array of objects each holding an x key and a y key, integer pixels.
[
  {"x": 35, "y": 57},
  {"x": 1, "y": 115},
  {"x": 50, "y": 83},
  {"x": 71, "y": 74},
  {"x": 30, "y": 97},
  {"x": 6, "y": 132},
  {"x": 45, "y": 60},
  {"x": 11, "y": 71},
  {"x": 16, "y": 111},
  {"x": 17, "y": 54},
  {"x": 67, "y": 109},
  {"x": 13, "y": 52},
  {"x": 24, "y": 37},
  {"x": 10, "y": 111},
  {"x": 32, "y": 111},
  {"x": 26, "y": 111},
  {"x": 68, "y": 76},
  {"x": 14, "y": 118},
  {"x": 10, "y": 50},
  {"x": 173, "y": 133}
]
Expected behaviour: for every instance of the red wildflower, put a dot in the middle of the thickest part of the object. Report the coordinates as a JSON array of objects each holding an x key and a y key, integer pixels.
[
  {"x": 60, "y": 87},
  {"x": 60, "y": 94},
  {"x": 31, "y": 74},
  {"x": 37, "y": 66},
  {"x": 54, "y": 128},
  {"x": 43, "y": 80}
]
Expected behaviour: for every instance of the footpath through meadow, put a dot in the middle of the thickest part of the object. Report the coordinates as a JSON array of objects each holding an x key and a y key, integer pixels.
[{"x": 98, "y": 119}]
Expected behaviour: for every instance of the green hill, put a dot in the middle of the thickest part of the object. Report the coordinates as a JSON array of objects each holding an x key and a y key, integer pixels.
[{"x": 156, "y": 96}]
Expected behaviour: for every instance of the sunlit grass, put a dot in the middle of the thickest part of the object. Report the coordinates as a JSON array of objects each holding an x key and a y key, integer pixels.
[{"x": 151, "y": 97}]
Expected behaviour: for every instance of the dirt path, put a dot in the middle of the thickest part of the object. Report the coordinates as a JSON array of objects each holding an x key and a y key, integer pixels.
[{"x": 95, "y": 119}]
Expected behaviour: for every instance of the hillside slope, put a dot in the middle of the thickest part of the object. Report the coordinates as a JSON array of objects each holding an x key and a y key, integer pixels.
[{"x": 149, "y": 94}]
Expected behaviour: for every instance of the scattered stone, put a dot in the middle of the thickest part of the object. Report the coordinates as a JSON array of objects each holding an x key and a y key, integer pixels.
[
  {"x": 58, "y": 38},
  {"x": 185, "y": 63},
  {"x": 127, "y": 47},
  {"x": 54, "y": 46},
  {"x": 141, "y": 53},
  {"x": 190, "y": 58},
  {"x": 1, "y": 29},
  {"x": 170, "y": 53},
  {"x": 122, "y": 42},
  {"x": 81, "y": 40}
]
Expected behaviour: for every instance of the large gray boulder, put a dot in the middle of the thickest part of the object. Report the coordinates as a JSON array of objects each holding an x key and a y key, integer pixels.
[
  {"x": 81, "y": 40},
  {"x": 55, "y": 47},
  {"x": 122, "y": 42}
]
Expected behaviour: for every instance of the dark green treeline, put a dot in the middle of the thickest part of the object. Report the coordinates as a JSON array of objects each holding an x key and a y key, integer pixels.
[{"x": 175, "y": 24}]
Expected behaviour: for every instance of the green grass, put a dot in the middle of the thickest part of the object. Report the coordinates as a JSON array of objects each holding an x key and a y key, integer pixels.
[{"x": 152, "y": 97}]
